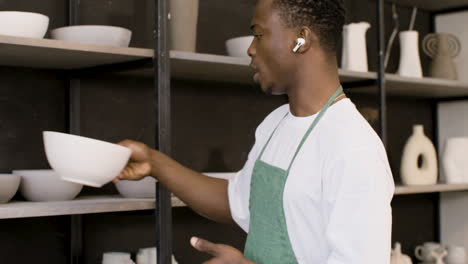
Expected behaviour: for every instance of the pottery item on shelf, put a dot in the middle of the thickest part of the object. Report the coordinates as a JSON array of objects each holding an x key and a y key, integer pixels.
[
  {"x": 149, "y": 256},
  {"x": 354, "y": 56},
  {"x": 237, "y": 47},
  {"x": 183, "y": 24},
  {"x": 94, "y": 35},
  {"x": 430, "y": 252},
  {"x": 397, "y": 257},
  {"x": 144, "y": 188},
  {"x": 410, "y": 62},
  {"x": 146, "y": 256},
  {"x": 419, "y": 146},
  {"x": 9, "y": 184},
  {"x": 45, "y": 186},
  {"x": 117, "y": 258},
  {"x": 23, "y": 24},
  {"x": 456, "y": 255},
  {"x": 442, "y": 48},
  {"x": 84, "y": 160},
  {"x": 455, "y": 160}
]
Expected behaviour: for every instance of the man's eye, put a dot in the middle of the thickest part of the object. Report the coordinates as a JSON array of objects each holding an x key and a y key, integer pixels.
[{"x": 258, "y": 35}]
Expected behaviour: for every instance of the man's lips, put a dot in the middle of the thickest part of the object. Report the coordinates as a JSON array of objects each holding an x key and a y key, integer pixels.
[{"x": 256, "y": 76}]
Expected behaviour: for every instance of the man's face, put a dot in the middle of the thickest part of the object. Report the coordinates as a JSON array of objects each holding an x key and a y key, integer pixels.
[{"x": 271, "y": 49}]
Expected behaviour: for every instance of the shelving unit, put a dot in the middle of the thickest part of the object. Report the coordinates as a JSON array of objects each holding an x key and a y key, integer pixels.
[
  {"x": 71, "y": 57},
  {"x": 73, "y": 60}
]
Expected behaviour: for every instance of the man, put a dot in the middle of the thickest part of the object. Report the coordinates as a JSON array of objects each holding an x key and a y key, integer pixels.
[{"x": 316, "y": 187}]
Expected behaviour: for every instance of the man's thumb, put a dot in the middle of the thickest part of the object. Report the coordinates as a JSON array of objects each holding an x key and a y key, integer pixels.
[{"x": 204, "y": 246}]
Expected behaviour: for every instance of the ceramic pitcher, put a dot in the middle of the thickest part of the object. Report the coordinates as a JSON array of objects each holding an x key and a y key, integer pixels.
[{"x": 354, "y": 57}]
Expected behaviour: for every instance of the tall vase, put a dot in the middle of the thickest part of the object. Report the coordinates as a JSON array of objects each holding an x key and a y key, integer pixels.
[
  {"x": 442, "y": 48},
  {"x": 410, "y": 62},
  {"x": 183, "y": 24},
  {"x": 419, "y": 147}
]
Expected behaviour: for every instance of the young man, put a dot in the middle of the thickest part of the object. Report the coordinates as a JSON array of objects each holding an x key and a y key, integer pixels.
[{"x": 317, "y": 187}]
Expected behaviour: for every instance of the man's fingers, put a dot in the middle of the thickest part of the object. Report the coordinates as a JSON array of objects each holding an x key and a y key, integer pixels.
[{"x": 204, "y": 246}]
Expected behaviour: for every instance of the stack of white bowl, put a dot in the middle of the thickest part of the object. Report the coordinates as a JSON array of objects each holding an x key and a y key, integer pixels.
[{"x": 35, "y": 25}]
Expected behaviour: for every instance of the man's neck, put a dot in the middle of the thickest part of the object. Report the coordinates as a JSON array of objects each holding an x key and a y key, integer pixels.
[{"x": 312, "y": 88}]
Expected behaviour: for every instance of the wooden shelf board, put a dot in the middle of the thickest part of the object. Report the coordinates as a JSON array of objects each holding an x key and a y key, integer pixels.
[
  {"x": 400, "y": 190},
  {"x": 420, "y": 87},
  {"x": 220, "y": 68},
  {"x": 81, "y": 205},
  {"x": 55, "y": 54}
]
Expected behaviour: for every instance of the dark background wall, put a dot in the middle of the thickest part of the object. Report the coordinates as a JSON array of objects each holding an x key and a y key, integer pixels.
[{"x": 213, "y": 129}]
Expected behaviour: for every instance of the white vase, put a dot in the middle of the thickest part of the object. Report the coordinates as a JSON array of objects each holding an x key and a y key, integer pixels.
[
  {"x": 455, "y": 160},
  {"x": 183, "y": 24},
  {"x": 354, "y": 55},
  {"x": 419, "y": 146},
  {"x": 410, "y": 62}
]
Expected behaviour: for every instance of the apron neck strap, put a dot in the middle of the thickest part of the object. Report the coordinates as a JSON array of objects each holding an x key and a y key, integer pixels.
[{"x": 316, "y": 120}]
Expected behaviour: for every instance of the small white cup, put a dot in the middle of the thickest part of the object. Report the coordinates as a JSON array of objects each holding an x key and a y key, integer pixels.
[
  {"x": 116, "y": 258},
  {"x": 456, "y": 255}
]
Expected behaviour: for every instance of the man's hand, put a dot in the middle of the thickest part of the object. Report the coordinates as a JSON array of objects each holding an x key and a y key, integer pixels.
[
  {"x": 222, "y": 254},
  {"x": 139, "y": 165}
]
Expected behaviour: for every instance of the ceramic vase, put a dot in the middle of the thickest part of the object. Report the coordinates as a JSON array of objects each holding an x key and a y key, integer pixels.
[
  {"x": 183, "y": 18},
  {"x": 410, "y": 62},
  {"x": 418, "y": 147},
  {"x": 354, "y": 56},
  {"x": 442, "y": 48}
]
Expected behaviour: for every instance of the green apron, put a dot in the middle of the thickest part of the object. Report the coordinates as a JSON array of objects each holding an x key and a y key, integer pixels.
[{"x": 268, "y": 239}]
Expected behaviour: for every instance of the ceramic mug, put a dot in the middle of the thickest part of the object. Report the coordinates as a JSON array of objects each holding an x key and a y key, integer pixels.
[
  {"x": 456, "y": 255},
  {"x": 427, "y": 251},
  {"x": 116, "y": 258}
]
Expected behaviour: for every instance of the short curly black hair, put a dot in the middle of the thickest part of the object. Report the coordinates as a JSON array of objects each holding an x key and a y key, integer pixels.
[{"x": 325, "y": 17}]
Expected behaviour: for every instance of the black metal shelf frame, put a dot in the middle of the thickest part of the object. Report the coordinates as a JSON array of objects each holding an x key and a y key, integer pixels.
[{"x": 161, "y": 65}]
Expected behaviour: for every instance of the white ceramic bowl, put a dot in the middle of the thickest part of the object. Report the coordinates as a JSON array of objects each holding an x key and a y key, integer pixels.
[
  {"x": 84, "y": 160},
  {"x": 96, "y": 35},
  {"x": 237, "y": 47},
  {"x": 9, "y": 184},
  {"x": 23, "y": 24},
  {"x": 145, "y": 188},
  {"x": 46, "y": 185}
]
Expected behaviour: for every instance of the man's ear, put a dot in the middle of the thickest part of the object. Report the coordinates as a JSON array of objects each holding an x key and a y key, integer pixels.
[{"x": 311, "y": 39}]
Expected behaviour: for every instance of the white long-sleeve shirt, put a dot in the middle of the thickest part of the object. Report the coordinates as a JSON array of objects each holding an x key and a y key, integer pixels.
[{"x": 338, "y": 193}]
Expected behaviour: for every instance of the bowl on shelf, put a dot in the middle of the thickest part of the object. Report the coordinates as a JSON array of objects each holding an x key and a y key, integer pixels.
[
  {"x": 145, "y": 188},
  {"x": 46, "y": 185},
  {"x": 84, "y": 160},
  {"x": 9, "y": 184},
  {"x": 23, "y": 24},
  {"x": 95, "y": 35},
  {"x": 237, "y": 47}
]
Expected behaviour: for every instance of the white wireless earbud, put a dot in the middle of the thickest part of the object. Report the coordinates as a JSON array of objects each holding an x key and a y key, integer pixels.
[{"x": 300, "y": 42}]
